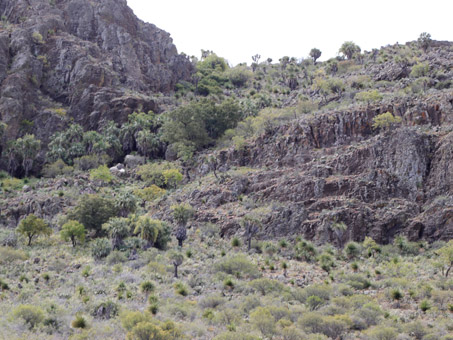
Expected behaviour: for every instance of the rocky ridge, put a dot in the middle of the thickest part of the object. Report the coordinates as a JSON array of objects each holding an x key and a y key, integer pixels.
[{"x": 91, "y": 61}]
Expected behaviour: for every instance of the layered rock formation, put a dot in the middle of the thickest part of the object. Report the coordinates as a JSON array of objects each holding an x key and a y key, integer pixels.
[
  {"x": 320, "y": 171},
  {"x": 90, "y": 60}
]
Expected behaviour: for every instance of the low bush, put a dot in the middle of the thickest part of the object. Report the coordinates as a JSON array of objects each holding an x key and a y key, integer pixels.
[{"x": 238, "y": 265}]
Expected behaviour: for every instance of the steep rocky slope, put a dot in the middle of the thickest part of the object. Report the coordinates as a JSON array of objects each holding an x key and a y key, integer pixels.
[
  {"x": 322, "y": 170},
  {"x": 91, "y": 60}
]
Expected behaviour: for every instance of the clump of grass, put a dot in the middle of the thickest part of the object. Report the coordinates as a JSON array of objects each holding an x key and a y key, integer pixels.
[
  {"x": 181, "y": 289},
  {"x": 79, "y": 322}
]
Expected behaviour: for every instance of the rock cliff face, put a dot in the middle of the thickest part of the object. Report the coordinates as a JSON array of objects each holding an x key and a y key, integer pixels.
[
  {"x": 322, "y": 170},
  {"x": 93, "y": 59}
]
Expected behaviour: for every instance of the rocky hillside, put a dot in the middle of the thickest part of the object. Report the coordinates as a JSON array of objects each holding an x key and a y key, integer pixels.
[
  {"x": 92, "y": 61},
  {"x": 320, "y": 170}
]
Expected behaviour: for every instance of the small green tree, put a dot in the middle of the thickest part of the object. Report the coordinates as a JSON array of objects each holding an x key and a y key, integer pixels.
[
  {"x": 349, "y": 49},
  {"x": 73, "y": 230},
  {"x": 424, "y": 41},
  {"x": 32, "y": 227},
  {"x": 315, "y": 54},
  {"x": 93, "y": 211},
  {"x": 446, "y": 257},
  {"x": 385, "y": 121}
]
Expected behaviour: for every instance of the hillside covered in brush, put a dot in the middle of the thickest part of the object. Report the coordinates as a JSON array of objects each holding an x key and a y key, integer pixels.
[{"x": 147, "y": 194}]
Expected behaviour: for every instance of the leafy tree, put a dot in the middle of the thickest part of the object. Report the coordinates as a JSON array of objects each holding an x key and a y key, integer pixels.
[
  {"x": 424, "y": 41},
  {"x": 117, "y": 229},
  {"x": 212, "y": 75},
  {"x": 315, "y": 54},
  {"x": 198, "y": 124},
  {"x": 446, "y": 257},
  {"x": 182, "y": 213},
  {"x": 251, "y": 227},
  {"x": 349, "y": 49},
  {"x": 385, "y": 121},
  {"x": 73, "y": 230},
  {"x": 27, "y": 148},
  {"x": 93, "y": 211},
  {"x": 32, "y": 227}
]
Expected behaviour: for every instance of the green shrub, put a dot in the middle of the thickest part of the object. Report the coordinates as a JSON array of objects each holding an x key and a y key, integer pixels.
[
  {"x": 163, "y": 174},
  {"x": 93, "y": 211},
  {"x": 211, "y": 302},
  {"x": 3, "y": 285},
  {"x": 150, "y": 193},
  {"x": 266, "y": 286},
  {"x": 147, "y": 287},
  {"x": 262, "y": 319},
  {"x": 235, "y": 242},
  {"x": 238, "y": 265},
  {"x": 105, "y": 310},
  {"x": 91, "y": 162},
  {"x": 9, "y": 255},
  {"x": 31, "y": 315},
  {"x": 100, "y": 248},
  {"x": 352, "y": 250},
  {"x": 116, "y": 257},
  {"x": 425, "y": 306},
  {"x": 314, "y": 302},
  {"x": 396, "y": 294},
  {"x": 102, "y": 173},
  {"x": 305, "y": 250},
  {"x": 385, "y": 121},
  {"x": 369, "y": 96},
  {"x": 419, "y": 70},
  {"x": 382, "y": 333},
  {"x": 327, "y": 325},
  {"x": 181, "y": 289},
  {"x": 57, "y": 168},
  {"x": 79, "y": 322},
  {"x": 239, "y": 75}
]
